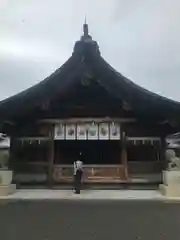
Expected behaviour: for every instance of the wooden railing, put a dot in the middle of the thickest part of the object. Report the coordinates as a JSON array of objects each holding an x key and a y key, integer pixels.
[
  {"x": 145, "y": 166},
  {"x": 91, "y": 173},
  {"x": 34, "y": 171}
]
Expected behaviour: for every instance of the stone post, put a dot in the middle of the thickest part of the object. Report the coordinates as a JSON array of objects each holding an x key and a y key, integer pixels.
[{"x": 6, "y": 187}]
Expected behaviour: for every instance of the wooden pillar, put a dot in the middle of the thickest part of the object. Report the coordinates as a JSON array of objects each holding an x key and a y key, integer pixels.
[
  {"x": 50, "y": 158},
  {"x": 10, "y": 163},
  {"x": 124, "y": 153},
  {"x": 163, "y": 148}
]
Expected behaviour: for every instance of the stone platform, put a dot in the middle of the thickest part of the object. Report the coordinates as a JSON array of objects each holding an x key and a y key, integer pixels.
[
  {"x": 171, "y": 184},
  {"x": 92, "y": 195},
  {"x": 42, "y": 194},
  {"x": 6, "y": 190},
  {"x": 6, "y": 187}
]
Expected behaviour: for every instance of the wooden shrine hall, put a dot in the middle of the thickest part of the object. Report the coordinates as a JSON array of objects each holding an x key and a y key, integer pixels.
[{"x": 87, "y": 107}]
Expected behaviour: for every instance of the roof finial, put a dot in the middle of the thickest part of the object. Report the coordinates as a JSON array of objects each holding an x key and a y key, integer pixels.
[
  {"x": 85, "y": 20},
  {"x": 86, "y": 37},
  {"x": 85, "y": 28}
]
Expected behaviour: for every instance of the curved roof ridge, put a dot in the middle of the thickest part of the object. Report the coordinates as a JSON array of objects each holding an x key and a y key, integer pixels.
[
  {"x": 37, "y": 85},
  {"x": 86, "y": 51},
  {"x": 138, "y": 87}
]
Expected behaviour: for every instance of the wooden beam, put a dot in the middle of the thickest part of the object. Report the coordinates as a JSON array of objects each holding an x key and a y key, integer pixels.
[
  {"x": 33, "y": 138},
  {"x": 9, "y": 122},
  {"x": 144, "y": 138},
  {"x": 87, "y": 120}
]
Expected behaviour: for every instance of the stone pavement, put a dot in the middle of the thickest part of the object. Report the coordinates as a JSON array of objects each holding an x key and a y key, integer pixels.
[
  {"x": 85, "y": 194},
  {"x": 89, "y": 220},
  {"x": 47, "y": 194}
]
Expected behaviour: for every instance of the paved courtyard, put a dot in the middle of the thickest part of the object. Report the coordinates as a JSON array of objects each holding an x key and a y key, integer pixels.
[
  {"x": 87, "y": 219},
  {"x": 40, "y": 194},
  {"x": 47, "y": 194}
]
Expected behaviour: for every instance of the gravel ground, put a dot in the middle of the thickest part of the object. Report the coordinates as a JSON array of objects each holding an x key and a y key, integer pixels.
[{"x": 85, "y": 220}]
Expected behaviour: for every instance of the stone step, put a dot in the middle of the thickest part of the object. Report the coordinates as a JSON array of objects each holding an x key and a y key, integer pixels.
[
  {"x": 7, "y": 189},
  {"x": 170, "y": 190}
]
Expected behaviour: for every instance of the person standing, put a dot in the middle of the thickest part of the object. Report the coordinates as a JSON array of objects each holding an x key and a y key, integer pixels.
[{"x": 78, "y": 172}]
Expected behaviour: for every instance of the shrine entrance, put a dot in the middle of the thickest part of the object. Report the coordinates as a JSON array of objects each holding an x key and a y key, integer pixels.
[
  {"x": 101, "y": 160},
  {"x": 99, "y": 143},
  {"x": 104, "y": 152}
]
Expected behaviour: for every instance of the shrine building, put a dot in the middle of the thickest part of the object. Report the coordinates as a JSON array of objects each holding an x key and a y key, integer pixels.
[{"x": 87, "y": 107}]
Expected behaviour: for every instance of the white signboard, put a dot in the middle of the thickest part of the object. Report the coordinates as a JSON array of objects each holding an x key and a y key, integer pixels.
[
  {"x": 92, "y": 131},
  {"x": 59, "y": 132},
  {"x": 104, "y": 131},
  {"x": 115, "y": 131},
  {"x": 82, "y": 131},
  {"x": 70, "y": 131}
]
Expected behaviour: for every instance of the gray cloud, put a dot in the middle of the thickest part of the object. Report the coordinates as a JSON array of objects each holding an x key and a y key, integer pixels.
[{"x": 140, "y": 38}]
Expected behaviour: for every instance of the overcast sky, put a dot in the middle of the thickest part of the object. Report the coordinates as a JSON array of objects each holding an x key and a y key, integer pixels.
[{"x": 140, "y": 38}]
